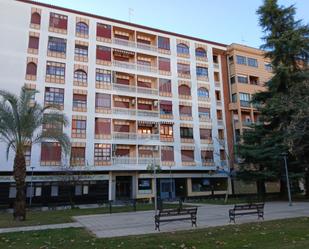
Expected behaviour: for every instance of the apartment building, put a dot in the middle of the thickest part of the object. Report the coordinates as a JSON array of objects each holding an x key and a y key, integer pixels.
[
  {"x": 135, "y": 96},
  {"x": 248, "y": 70}
]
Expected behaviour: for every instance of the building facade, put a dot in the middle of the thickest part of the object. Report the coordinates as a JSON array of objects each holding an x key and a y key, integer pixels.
[{"x": 135, "y": 96}]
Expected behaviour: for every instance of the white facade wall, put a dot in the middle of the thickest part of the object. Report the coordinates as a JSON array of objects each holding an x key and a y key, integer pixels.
[{"x": 14, "y": 27}]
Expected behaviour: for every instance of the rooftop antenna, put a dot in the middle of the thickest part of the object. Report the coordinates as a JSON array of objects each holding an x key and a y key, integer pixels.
[{"x": 131, "y": 13}]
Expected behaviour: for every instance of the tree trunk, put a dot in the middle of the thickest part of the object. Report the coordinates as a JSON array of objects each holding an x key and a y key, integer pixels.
[
  {"x": 261, "y": 189},
  {"x": 20, "y": 178},
  {"x": 307, "y": 184}
]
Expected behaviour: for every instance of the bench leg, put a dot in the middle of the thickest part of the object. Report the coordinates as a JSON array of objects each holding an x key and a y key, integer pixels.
[
  {"x": 193, "y": 220},
  {"x": 232, "y": 218},
  {"x": 157, "y": 225}
]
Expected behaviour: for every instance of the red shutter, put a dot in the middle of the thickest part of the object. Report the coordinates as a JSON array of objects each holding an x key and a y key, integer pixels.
[
  {"x": 207, "y": 154},
  {"x": 104, "y": 53},
  {"x": 122, "y": 152},
  {"x": 187, "y": 155},
  {"x": 31, "y": 68},
  {"x": 104, "y": 31},
  {"x": 80, "y": 97},
  {"x": 144, "y": 107},
  {"x": 33, "y": 42},
  {"x": 165, "y": 86},
  {"x": 121, "y": 104},
  {"x": 203, "y": 109},
  {"x": 44, "y": 152},
  {"x": 123, "y": 81},
  {"x": 185, "y": 110},
  {"x": 143, "y": 84},
  {"x": 184, "y": 90},
  {"x": 36, "y": 18},
  {"x": 205, "y": 133},
  {"x": 164, "y": 64},
  {"x": 167, "y": 155},
  {"x": 103, "y": 127},
  {"x": 121, "y": 128},
  {"x": 63, "y": 23}
]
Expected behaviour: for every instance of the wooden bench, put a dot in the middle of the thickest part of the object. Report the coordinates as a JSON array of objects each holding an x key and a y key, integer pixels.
[
  {"x": 247, "y": 209},
  {"x": 169, "y": 215}
]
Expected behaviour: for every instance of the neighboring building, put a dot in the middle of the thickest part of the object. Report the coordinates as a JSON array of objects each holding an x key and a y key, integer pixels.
[
  {"x": 248, "y": 71},
  {"x": 134, "y": 96}
]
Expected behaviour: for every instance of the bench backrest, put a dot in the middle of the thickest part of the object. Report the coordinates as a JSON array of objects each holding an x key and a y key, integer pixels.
[
  {"x": 174, "y": 212},
  {"x": 251, "y": 206}
]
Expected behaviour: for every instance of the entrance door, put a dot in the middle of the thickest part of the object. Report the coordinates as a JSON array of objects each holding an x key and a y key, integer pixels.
[
  {"x": 167, "y": 189},
  {"x": 181, "y": 187},
  {"x": 123, "y": 187}
]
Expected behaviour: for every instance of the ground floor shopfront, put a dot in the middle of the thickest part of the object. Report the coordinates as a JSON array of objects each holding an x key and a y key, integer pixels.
[{"x": 98, "y": 187}]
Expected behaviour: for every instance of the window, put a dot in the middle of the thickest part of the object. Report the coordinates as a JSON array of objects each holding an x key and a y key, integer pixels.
[
  {"x": 244, "y": 99},
  {"x": 268, "y": 67},
  {"x": 183, "y": 68},
  {"x": 182, "y": 48},
  {"x": 201, "y": 71},
  {"x": 79, "y": 101},
  {"x": 144, "y": 186},
  {"x": 185, "y": 110},
  {"x": 103, "y": 76},
  {"x": 103, "y": 100},
  {"x": 242, "y": 60},
  {"x": 54, "y": 190},
  {"x": 57, "y": 45},
  {"x": 163, "y": 43},
  {"x": 209, "y": 184},
  {"x": 54, "y": 96},
  {"x": 187, "y": 155},
  {"x": 207, "y": 156},
  {"x": 219, "y": 114},
  {"x": 104, "y": 31},
  {"x": 58, "y": 21},
  {"x": 78, "y": 127},
  {"x": 50, "y": 125},
  {"x": 167, "y": 153},
  {"x": 82, "y": 28},
  {"x": 50, "y": 152},
  {"x": 205, "y": 133},
  {"x": 31, "y": 68},
  {"x": 234, "y": 97},
  {"x": 33, "y": 42},
  {"x": 166, "y": 107},
  {"x": 166, "y": 131},
  {"x": 164, "y": 64},
  {"x": 186, "y": 132},
  {"x": 77, "y": 156},
  {"x": 231, "y": 59},
  {"x": 103, "y": 53},
  {"x": 35, "y": 18},
  {"x": 165, "y": 86},
  {"x": 27, "y": 154},
  {"x": 55, "y": 69},
  {"x": 80, "y": 76},
  {"x": 102, "y": 126},
  {"x": 203, "y": 112},
  {"x": 242, "y": 79},
  {"x": 200, "y": 52},
  {"x": 184, "y": 90},
  {"x": 81, "y": 50},
  {"x": 102, "y": 153},
  {"x": 215, "y": 59},
  {"x": 252, "y": 62},
  {"x": 203, "y": 92},
  {"x": 232, "y": 79}
]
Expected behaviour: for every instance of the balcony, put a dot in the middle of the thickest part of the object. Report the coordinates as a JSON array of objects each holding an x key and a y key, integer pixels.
[
  {"x": 146, "y": 68},
  {"x": 124, "y": 64},
  {"x": 132, "y": 44},
  {"x": 124, "y": 111},
  {"x": 219, "y": 103},
  {"x": 122, "y": 87},
  {"x": 152, "y": 137},
  {"x": 149, "y": 160},
  {"x": 135, "y": 66},
  {"x": 245, "y": 103},
  {"x": 146, "y": 90},
  {"x": 124, "y": 136},
  {"x": 145, "y": 113},
  {"x": 247, "y": 123},
  {"x": 123, "y": 42},
  {"x": 217, "y": 84},
  {"x": 220, "y": 123},
  {"x": 123, "y": 160}
]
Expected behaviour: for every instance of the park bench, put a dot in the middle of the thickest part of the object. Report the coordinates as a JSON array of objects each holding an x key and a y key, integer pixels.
[
  {"x": 247, "y": 209},
  {"x": 169, "y": 215}
]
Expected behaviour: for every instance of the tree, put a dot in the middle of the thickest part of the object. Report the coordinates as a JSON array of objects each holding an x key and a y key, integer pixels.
[
  {"x": 21, "y": 122},
  {"x": 284, "y": 106}
]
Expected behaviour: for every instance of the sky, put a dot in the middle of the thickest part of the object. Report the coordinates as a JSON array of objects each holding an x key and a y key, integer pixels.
[{"x": 224, "y": 21}]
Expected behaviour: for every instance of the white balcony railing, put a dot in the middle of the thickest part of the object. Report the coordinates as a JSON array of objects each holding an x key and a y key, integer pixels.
[
  {"x": 146, "y": 68},
  {"x": 149, "y": 137},
  {"x": 217, "y": 84},
  {"x": 219, "y": 103},
  {"x": 123, "y": 160},
  {"x": 148, "y": 160},
  {"x": 133, "y": 44},
  {"x": 145, "y": 113},
  {"x": 124, "y": 136},
  {"x": 147, "y": 90},
  {"x": 124, "y": 64},
  {"x": 220, "y": 122},
  {"x": 122, "y": 87},
  {"x": 124, "y": 111}
]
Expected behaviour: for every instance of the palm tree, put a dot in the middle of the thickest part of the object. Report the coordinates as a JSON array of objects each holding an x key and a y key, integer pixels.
[{"x": 21, "y": 122}]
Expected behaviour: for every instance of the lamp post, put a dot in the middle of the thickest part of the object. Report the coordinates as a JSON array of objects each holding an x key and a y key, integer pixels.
[
  {"x": 31, "y": 190},
  {"x": 154, "y": 168},
  {"x": 284, "y": 154}
]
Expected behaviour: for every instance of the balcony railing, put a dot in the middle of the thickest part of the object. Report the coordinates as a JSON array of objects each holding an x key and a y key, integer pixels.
[
  {"x": 124, "y": 135},
  {"x": 217, "y": 84},
  {"x": 216, "y": 65},
  {"x": 124, "y": 160},
  {"x": 124, "y": 111},
  {"x": 220, "y": 122},
  {"x": 147, "y": 90},
  {"x": 247, "y": 123},
  {"x": 244, "y": 103},
  {"x": 133, "y": 44},
  {"x": 124, "y": 64},
  {"x": 145, "y": 113},
  {"x": 219, "y": 103},
  {"x": 207, "y": 161},
  {"x": 146, "y": 68},
  {"x": 148, "y": 137},
  {"x": 149, "y": 160},
  {"x": 122, "y": 87}
]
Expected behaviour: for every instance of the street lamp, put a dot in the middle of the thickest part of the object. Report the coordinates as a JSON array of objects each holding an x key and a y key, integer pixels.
[
  {"x": 284, "y": 154},
  {"x": 154, "y": 168},
  {"x": 31, "y": 191}
]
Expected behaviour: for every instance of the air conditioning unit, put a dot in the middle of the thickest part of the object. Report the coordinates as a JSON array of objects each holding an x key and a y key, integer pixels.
[
  {"x": 155, "y": 103},
  {"x": 133, "y": 102}
]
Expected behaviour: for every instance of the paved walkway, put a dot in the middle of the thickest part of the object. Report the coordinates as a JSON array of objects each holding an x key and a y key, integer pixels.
[
  {"x": 41, "y": 227},
  {"x": 123, "y": 224}
]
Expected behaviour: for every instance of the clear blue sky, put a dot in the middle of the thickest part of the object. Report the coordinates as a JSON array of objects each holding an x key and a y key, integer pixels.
[{"x": 224, "y": 21}]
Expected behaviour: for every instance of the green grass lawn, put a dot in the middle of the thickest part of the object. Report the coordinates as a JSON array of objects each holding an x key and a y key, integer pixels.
[
  {"x": 280, "y": 234},
  {"x": 65, "y": 216}
]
